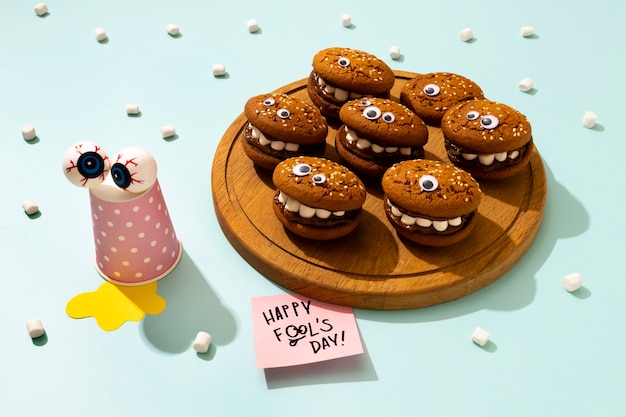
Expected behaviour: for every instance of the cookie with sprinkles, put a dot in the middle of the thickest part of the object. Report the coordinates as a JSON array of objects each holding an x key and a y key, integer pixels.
[
  {"x": 431, "y": 95},
  {"x": 281, "y": 126},
  {"x": 342, "y": 74},
  {"x": 488, "y": 139},
  {"x": 432, "y": 203},
  {"x": 378, "y": 132},
  {"x": 317, "y": 198}
]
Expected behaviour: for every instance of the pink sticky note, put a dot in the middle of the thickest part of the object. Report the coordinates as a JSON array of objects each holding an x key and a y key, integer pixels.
[{"x": 290, "y": 329}]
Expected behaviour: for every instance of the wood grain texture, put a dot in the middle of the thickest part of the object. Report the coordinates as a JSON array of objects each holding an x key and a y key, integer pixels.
[{"x": 373, "y": 268}]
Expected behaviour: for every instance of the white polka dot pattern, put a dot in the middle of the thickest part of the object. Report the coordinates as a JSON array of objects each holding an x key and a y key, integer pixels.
[{"x": 135, "y": 240}]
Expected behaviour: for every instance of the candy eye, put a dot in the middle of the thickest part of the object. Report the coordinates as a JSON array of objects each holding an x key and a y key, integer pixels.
[
  {"x": 302, "y": 169},
  {"x": 283, "y": 113},
  {"x": 343, "y": 62},
  {"x": 372, "y": 112},
  {"x": 472, "y": 115},
  {"x": 489, "y": 121},
  {"x": 269, "y": 101},
  {"x": 319, "y": 179},
  {"x": 86, "y": 164},
  {"x": 389, "y": 117},
  {"x": 365, "y": 102},
  {"x": 428, "y": 183},
  {"x": 431, "y": 90},
  {"x": 134, "y": 170}
]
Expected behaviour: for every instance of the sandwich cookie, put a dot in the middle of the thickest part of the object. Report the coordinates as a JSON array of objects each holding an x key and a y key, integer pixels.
[
  {"x": 490, "y": 140},
  {"x": 432, "y": 203},
  {"x": 342, "y": 74},
  {"x": 377, "y": 133},
  {"x": 317, "y": 198},
  {"x": 280, "y": 127},
  {"x": 431, "y": 95}
]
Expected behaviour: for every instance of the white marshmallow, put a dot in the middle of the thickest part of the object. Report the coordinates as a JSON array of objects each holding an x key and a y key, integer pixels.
[
  {"x": 480, "y": 336},
  {"x": 172, "y": 29},
  {"x": 589, "y": 119},
  {"x": 202, "y": 342},
  {"x": 219, "y": 70},
  {"x": 30, "y": 207},
  {"x": 466, "y": 34},
  {"x": 168, "y": 131},
  {"x": 346, "y": 20},
  {"x": 526, "y": 84},
  {"x": 572, "y": 282},
  {"x": 35, "y": 328},
  {"x": 132, "y": 109},
  {"x": 28, "y": 132},
  {"x": 527, "y": 31},
  {"x": 252, "y": 25},
  {"x": 394, "y": 52},
  {"x": 100, "y": 34},
  {"x": 41, "y": 9}
]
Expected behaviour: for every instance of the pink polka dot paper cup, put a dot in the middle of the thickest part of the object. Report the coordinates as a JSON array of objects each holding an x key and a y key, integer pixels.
[{"x": 134, "y": 238}]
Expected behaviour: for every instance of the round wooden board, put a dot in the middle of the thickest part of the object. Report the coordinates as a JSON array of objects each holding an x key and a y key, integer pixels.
[{"x": 373, "y": 267}]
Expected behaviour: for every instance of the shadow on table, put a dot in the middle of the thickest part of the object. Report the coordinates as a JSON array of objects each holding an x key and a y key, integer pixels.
[
  {"x": 564, "y": 217},
  {"x": 192, "y": 306}
]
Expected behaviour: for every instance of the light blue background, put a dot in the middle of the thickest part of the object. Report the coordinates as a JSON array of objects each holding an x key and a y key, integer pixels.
[{"x": 552, "y": 352}]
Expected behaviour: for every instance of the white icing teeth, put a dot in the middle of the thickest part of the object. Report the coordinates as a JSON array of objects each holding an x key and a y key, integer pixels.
[
  {"x": 513, "y": 154},
  {"x": 501, "y": 156},
  {"x": 304, "y": 211},
  {"x": 341, "y": 94},
  {"x": 361, "y": 143},
  {"x": 438, "y": 225},
  {"x": 469, "y": 156},
  {"x": 486, "y": 159},
  {"x": 277, "y": 145}
]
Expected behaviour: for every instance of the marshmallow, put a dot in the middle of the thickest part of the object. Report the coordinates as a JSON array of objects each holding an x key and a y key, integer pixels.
[
  {"x": 41, "y": 9},
  {"x": 346, "y": 20},
  {"x": 589, "y": 119},
  {"x": 100, "y": 34},
  {"x": 35, "y": 328},
  {"x": 219, "y": 70},
  {"x": 168, "y": 131},
  {"x": 30, "y": 207},
  {"x": 132, "y": 109},
  {"x": 572, "y": 282},
  {"x": 466, "y": 34},
  {"x": 202, "y": 342},
  {"x": 28, "y": 132},
  {"x": 480, "y": 336},
  {"x": 172, "y": 29},
  {"x": 527, "y": 31},
  {"x": 252, "y": 25},
  {"x": 525, "y": 84},
  {"x": 394, "y": 52}
]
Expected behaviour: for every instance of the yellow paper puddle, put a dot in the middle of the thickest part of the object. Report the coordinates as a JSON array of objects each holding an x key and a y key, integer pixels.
[{"x": 113, "y": 305}]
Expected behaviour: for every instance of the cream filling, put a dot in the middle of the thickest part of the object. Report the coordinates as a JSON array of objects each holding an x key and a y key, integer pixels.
[
  {"x": 438, "y": 225},
  {"x": 339, "y": 93},
  {"x": 489, "y": 158},
  {"x": 304, "y": 211},
  {"x": 362, "y": 143},
  {"x": 277, "y": 145}
]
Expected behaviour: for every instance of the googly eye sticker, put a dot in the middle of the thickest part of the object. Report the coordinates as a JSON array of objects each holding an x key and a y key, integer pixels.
[
  {"x": 86, "y": 164},
  {"x": 431, "y": 90},
  {"x": 318, "y": 179},
  {"x": 428, "y": 183},
  {"x": 343, "y": 62},
  {"x": 134, "y": 170},
  {"x": 270, "y": 101},
  {"x": 365, "y": 102},
  {"x": 472, "y": 115},
  {"x": 302, "y": 169},
  {"x": 489, "y": 121},
  {"x": 283, "y": 113},
  {"x": 389, "y": 117},
  {"x": 372, "y": 112}
]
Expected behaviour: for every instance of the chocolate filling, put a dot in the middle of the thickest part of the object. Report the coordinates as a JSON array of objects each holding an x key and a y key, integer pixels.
[
  {"x": 455, "y": 151},
  {"x": 329, "y": 97},
  {"x": 381, "y": 158},
  {"x": 332, "y": 221},
  {"x": 465, "y": 219},
  {"x": 312, "y": 150}
]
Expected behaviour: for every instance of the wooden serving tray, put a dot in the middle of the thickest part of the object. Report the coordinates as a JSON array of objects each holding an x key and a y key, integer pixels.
[{"x": 372, "y": 267}]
